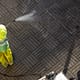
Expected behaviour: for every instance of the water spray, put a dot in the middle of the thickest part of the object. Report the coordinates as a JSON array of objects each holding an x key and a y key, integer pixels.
[
  {"x": 30, "y": 17},
  {"x": 27, "y": 18}
]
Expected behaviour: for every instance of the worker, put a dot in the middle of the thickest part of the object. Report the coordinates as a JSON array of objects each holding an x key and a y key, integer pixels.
[{"x": 6, "y": 57}]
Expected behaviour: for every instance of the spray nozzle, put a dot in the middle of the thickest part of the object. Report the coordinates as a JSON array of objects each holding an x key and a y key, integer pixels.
[{"x": 14, "y": 20}]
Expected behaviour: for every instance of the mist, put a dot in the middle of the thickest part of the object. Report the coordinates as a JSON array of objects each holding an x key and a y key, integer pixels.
[{"x": 33, "y": 19}]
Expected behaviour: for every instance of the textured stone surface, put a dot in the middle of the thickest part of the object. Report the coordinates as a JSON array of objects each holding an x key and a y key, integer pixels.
[{"x": 43, "y": 46}]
